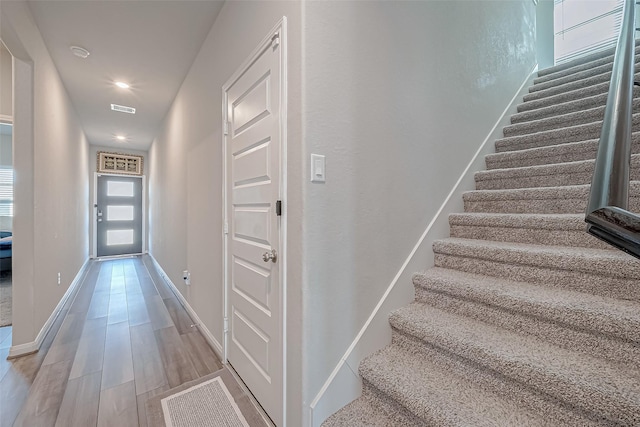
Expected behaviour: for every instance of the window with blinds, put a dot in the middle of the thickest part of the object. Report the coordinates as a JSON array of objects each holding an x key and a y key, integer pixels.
[
  {"x": 585, "y": 26},
  {"x": 6, "y": 191}
]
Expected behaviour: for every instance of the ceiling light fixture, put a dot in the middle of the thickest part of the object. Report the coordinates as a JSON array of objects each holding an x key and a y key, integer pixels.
[
  {"x": 123, "y": 109},
  {"x": 80, "y": 52},
  {"x": 122, "y": 85}
]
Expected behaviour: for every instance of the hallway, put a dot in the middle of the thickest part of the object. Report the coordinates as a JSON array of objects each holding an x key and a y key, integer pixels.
[{"x": 123, "y": 339}]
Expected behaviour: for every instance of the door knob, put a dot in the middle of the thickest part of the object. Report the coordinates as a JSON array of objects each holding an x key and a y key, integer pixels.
[{"x": 270, "y": 255}]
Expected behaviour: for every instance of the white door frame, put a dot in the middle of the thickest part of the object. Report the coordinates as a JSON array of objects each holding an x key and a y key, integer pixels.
[
  {"x": 94, "y": 210},
  {"x": 281, "y": 29}
]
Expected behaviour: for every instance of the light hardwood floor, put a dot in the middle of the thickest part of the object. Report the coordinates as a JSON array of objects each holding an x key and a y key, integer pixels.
[{"x": 123, "y": 339}]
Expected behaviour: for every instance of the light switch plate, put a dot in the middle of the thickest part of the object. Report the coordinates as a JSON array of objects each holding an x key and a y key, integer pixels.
[{"x": 317, "y": 168}]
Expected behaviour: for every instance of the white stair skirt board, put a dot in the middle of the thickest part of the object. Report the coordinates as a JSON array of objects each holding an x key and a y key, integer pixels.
[
  {"x": 33, "y": 346},
  {"x": 344, "y": 384}
]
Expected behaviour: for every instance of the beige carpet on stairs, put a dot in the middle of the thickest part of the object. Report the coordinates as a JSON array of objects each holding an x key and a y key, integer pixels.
[{"x": 525, "y": 319}]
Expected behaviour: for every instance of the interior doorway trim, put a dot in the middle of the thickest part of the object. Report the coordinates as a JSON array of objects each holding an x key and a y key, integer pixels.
[
  {"x": 280, "y": 29},
  {"x": 94, "y": 211}
]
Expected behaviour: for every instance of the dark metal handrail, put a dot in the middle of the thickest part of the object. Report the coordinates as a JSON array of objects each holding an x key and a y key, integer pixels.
[{"x": 607, "y": 213}]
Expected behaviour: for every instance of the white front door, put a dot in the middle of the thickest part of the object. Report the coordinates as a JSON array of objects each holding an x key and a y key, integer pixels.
[{"x": 253, "y": 186}]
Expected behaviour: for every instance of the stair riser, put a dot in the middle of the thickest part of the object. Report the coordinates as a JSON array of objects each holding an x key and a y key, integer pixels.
[
  {"x": 567, "y": 174},
  {"x": 565, "y": 108},
  {"x": 575, "y": 238},
  {"x": 558, "y": 122},
  {"x": 558, "y": 412},
  {"x": 525, "y": 320},
  {"x": 551, "y": 155},
  {"x": 565, "y": 279},
  {"x": 594, "y": 71},
  {"x": 577, "y": 133}
]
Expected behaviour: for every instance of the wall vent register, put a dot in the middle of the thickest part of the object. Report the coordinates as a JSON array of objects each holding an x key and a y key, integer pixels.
[{"x": 120, "y": 163}]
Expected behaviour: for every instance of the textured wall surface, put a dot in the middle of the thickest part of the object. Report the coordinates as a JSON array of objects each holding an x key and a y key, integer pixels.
[
  {"x": 51, "y": 190},
  {"x": 185, "y": 159},
  {"x": 398, "y": 96},
  {"x": 5, "y": 82}
]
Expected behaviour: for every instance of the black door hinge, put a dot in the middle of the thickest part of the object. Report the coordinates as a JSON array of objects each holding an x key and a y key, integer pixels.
[{"x": 279, "y": 207}]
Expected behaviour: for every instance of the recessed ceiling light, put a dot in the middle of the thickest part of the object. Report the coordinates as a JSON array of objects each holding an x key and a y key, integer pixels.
[
  {"x": 80, "y": 52},
  {"x": 122, "y": 85},
  {"x": 121, "y": 137},
  {"x": 123, "y": 109}
]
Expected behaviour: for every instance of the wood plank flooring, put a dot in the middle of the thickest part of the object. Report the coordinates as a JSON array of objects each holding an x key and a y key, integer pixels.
[{"x": 124, "y": 338}]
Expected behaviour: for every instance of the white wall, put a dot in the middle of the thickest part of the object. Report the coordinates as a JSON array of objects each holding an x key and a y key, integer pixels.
[
  {"x": 398, "y": 96},
  {"x": 93, "y": 168},
  {"x": 6, "y": 160},
  {"x": 185, "y": 185},
  {"x": 51, "y": 187},
  {"x": 544, "y": 33},
  {"x": 6, "y": 150},
  {"x": 5, "y": 82}
]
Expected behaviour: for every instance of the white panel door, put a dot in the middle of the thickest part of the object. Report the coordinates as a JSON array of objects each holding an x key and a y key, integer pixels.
[{"x": 253, "y": 143}]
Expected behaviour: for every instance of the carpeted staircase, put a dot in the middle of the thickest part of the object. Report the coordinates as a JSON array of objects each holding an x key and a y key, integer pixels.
[{"x": 525, "y": 320}]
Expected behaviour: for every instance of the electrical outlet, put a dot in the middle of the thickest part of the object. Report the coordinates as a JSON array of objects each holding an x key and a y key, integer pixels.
[
  {"x": 59, "y": 278},
  {"x": 186, "y": 276}
]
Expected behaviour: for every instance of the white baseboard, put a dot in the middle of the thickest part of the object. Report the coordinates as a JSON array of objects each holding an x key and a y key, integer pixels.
[
  {"x": 208, "y": 336},
  {"x": 344, "y": 384},
  {"x": 33, "y": 346}
]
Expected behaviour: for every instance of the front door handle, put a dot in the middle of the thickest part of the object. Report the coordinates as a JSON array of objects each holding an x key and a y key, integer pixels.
[{"x": 271, "y": 255}]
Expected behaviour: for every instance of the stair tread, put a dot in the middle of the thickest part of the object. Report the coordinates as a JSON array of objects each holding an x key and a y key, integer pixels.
[
  {"x": 549, "y": 150},
  {"x": 439, "y": 397},
  {"x": 601, "y": 314},
  {"x": 546, "y": 169},
  {"x": 539, "y": 221},
  {"x": 597, "y": 261},
  {"x": 588, "y": 382},
  {"x": 541, "y": 193}
]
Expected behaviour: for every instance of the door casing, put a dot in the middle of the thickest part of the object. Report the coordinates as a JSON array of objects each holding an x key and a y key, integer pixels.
[
  {"x": 279, "y": 29},
  {"x": 94, "y": 211}
]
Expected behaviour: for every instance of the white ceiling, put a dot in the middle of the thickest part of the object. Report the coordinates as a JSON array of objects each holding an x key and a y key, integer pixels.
[{"x": 148, "y": 44}]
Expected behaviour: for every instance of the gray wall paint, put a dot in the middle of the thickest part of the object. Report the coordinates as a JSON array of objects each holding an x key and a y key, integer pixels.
[
  {"x": 93, "y": 168},
  {"x": 6, "y": 150},
  {"x": 50, "y": 161},
  {"x": 185, "y": 190},
  {"x": 398, "y": 96},
  {"x": 5, "y": 82},
  {"x": 6, "y": 160},
  {"x": 545, "y": 30}
]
